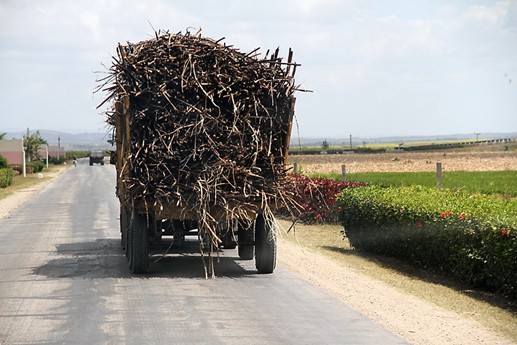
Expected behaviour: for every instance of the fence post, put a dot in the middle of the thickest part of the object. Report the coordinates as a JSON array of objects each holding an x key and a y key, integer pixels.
[
  {"x": 439, "y": 175},
  {"x": 343, "y": 172},
  {"x": 295, "y": 168}
]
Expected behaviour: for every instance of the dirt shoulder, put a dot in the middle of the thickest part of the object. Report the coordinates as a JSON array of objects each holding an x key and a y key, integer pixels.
[
  {"x": 21, "y": 195},
  {"x": 393, "y": 299}
]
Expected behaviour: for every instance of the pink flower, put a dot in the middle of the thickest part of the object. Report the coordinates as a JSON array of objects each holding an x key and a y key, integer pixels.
[
  {"x": 462, "y": 215},
  {"x": 419, "y": 224}
]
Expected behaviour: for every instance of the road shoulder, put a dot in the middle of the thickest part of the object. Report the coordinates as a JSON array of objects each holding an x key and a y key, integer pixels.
[
  {"x": 20, "y": 196},
  {"x": 412, "y": 318}
]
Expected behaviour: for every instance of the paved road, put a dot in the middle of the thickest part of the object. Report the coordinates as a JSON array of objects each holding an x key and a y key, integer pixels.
[{"x": 64, "y": 280}]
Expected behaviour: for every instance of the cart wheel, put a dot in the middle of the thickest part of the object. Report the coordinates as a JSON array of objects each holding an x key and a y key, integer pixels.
[
  {"x": 138, "y": 243},
  {"x": 124, "y": 224},
  {"x": 228, "y": 240},
  {"x": 178, "y": 233},
  {"x": 245, "y": 246},
  {"x": 265, "y": 243}
]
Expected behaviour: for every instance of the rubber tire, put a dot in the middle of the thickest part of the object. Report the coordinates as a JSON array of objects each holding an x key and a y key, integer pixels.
[
  {"x": 138, "y": 244},
  {"x": 178, "y": 233},
  {"x": 265, "y": 244},
  {"x": 124, "y": 225},
  {"x": 228, "y": 242},
  {"x": 246, "y": 251}
]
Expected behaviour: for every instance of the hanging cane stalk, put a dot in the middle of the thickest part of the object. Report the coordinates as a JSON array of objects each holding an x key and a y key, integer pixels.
[{"x": 209, "y": 127}]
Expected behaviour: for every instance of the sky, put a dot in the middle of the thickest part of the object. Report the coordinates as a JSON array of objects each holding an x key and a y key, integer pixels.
[{"x": 376, "y": 68}]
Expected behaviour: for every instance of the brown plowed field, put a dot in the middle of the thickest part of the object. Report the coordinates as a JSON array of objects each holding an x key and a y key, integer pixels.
[{"x": 408, "y": 161}]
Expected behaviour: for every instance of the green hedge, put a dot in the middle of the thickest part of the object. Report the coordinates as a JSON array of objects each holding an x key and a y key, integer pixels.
[
  {"x": 35, "y": 166},
  {"x": 470, "y": 236},
  {"x": 3, "y": 162},
  {"x": 6, "y": 177},
  {"x": 57, "y": 161}
]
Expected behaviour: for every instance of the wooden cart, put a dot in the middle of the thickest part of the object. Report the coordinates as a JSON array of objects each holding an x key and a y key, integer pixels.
[{"x": 140, "y": 222}]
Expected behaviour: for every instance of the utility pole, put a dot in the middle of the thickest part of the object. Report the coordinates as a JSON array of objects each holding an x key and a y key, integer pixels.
[
  {"x": 25, "y": 154},
  {"x": 477, "y": 136},
  {"x": 58, "y": 147},
  {"x": 350, "y": 141}
]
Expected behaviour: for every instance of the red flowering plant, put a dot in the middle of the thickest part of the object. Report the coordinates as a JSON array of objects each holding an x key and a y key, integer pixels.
[
  {"x": 316, "y": 197},
  {"x": 472, "y": 236}
]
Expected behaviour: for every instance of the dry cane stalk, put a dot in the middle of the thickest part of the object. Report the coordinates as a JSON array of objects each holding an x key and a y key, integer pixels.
[{"x": 209, "y": 127}]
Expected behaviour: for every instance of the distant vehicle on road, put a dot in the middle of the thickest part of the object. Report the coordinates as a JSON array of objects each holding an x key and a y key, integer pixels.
[{"x": 96, "y": 156}]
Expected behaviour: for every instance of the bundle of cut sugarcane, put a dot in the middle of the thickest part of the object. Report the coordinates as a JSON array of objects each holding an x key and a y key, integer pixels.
[{"x": 209, "y": 125}]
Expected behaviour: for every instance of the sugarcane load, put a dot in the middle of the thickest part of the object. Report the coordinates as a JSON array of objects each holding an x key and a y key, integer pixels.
[{"x": 202, "y": 133}]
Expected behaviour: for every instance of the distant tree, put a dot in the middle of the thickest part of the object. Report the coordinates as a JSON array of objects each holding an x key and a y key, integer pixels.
[
  {"x": 325, "y": 145},
  {"x": 2, "y": 136},
  {"x": 31, "y": 143}
]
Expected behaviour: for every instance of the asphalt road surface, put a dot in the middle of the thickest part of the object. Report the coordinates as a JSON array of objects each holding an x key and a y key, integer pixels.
[{"x": 64, "y": 280}]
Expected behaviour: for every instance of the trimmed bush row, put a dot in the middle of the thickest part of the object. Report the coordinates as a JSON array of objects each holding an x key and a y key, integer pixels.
[
  {"x": 6, "y": 177},
  {"x": 30, "y": 167},
  {"x": 35, "y": 166},
  {"x": 3, "y": 162},
  {"x": 471, "y": 236},
  {"x": 317, "y": 197},
  {"x": 57, "y": 161}
]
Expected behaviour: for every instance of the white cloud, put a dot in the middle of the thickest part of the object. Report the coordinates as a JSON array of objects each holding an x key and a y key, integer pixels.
[
  {"x": 92, "y": 22},
  {"x": 340, "y": 77},
  {"x": 488, "y": 15},
  {"x": 400, "y": 38},
  {"x": 511, "y": 20},
  {"x": 11, "y": 54},
  {"x": 426, "y": 35},
  {"x": 310, "y": 8}
]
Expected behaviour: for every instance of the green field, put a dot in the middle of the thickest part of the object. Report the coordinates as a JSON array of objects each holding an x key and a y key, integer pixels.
[
  {"x": 373, "y": 147},
  {"x": 486, "y": 182}
]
